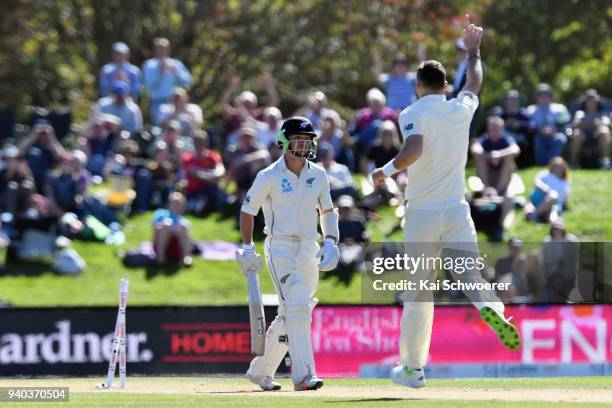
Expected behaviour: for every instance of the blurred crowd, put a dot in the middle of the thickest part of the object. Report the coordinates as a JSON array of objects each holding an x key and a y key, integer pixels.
[{"x": 152, "y": 148}]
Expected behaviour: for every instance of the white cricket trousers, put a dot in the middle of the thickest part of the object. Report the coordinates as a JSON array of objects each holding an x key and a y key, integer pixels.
[
  {"x": 294, "y": 271},
  {"x": 447, "y": 231}
]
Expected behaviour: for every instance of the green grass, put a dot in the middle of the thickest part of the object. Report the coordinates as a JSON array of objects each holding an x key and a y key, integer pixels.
[
  {"x": 232, "y": 392},
  {"x": 216, "y": 282}
]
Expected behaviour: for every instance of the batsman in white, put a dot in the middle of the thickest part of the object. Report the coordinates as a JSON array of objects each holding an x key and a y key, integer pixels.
[
  {"x": 291, "y": 190},
  {"x": 437, "y": 217}
]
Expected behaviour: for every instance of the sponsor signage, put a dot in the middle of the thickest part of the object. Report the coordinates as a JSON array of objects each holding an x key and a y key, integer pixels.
[{"x": 77, "y": 341}]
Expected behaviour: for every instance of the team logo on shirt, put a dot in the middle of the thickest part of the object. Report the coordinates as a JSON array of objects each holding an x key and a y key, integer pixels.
[
  {"x": 309, "y": 181},
  {"x": 247, "y": 199},
  {"x": 408, "y": 127},
  {"x": 286, "y": 185}
]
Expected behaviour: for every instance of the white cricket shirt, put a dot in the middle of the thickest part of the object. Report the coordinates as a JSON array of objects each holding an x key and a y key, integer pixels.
[
  {"x": 289, "y": 202},
  {"x": 437, "y": 178}
]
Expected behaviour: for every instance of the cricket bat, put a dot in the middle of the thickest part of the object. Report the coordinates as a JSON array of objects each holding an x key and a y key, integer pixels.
[{"x": 256, "y": 314}]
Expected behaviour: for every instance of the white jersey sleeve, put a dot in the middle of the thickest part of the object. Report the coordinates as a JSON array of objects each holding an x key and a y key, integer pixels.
[
  {"x": 468, "y": 100},
  {"x": 256, "y": 195},
  {"x": 410, "y": 124},
  {"x": 324, "y": 201}
]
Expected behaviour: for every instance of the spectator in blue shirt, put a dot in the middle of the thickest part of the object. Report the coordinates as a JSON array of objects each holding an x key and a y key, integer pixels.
[
  {"x": 161, "y": 75},
  {"x": 399, "y": 84},
  {"x": 550, "y": 122},
  {"x": 120, "y": 104},
  {"x": 120, "y": 70},
  {"x": 494, "y": 153}
]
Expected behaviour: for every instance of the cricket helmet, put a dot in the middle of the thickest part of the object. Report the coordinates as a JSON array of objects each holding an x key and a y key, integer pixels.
[{"x": 297, "y": 125}]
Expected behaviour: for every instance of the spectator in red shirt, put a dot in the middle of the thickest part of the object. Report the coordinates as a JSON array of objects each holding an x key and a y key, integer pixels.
[
  {"x": 369, "y": 119},
  {"x": 204, "y": 170}
]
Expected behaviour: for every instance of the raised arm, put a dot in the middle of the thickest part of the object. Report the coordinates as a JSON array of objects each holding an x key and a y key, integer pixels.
[{"x": 472, "y": 35}]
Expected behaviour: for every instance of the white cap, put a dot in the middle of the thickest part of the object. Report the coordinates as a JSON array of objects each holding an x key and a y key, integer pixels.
[
  {"x": 121, "y": 48},
  {"x": 375, "y": 94}
]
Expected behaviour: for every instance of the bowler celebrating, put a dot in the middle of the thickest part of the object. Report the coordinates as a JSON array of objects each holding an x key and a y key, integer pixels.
[
  {"x": 291, "y": 190},
  {"x": 437, "y": 217}
]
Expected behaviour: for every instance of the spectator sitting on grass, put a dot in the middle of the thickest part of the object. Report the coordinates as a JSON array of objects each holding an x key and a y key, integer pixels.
[
  {"x": 494, "y": 153},
  {"x": 171, "y": 232},
  {"x": 516, "y": 119},
  {"x": 120, "y": 70},
  {"x": 16, "y": 182},
  {"x": 42, "y": 151},
  {"x": 189, "y": 115},
  {"x": 550, "y": 121},
  {"x": 161, "y": 74},
  {"x": 121, "y": 105},
  {"x": 551, "y": 193},
  {"x": 339, "y": 176},
  {"x": 385, "y": 148},
  {"x": 591, "y": 125},
  {"x": 98, "y": 140},
  {"x": 204, "y": 170},
  {"x": 560, "y": 258},
  {"x": 68, "y": 184}
]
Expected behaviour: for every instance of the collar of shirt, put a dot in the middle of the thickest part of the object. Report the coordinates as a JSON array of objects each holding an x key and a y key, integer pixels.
[
  {"x": 433, "y": 98},
  {"x": 282, "y": 166}
]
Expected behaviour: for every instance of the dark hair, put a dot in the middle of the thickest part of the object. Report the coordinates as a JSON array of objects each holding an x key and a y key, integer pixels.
[{"x": 431, "y": 74}]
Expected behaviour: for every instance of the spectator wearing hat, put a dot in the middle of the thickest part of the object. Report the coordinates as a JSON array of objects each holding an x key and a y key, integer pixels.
[
  {"x": 98, "y": 140},
  {"x": 121, "y": 105},
  {"x": 386, "y": 146},
  {"x": 550, "y": 122},
  {"x": 340, "y": 179},
  {"x": 353, "y": 234},
  {"x": 120, "y": 70},
  {"x": 495, "y": 153},
  {"x": 42, "y": 151},
  {"x": 246, "y": 105},
  {"x": 399, "y": 84},
  {"x": 204, "y": 170},
  {"x": 16, "y": 182},
  {"x": 516, "y": 119},
  {"x": 189, "y": 115},
  {"x": 591, "y": 125},
  {"x": 551, "y": 193},
  {"x": 560, "y": 259},
  {"x": 246, "y": 160},
  {"x": 316, "y": 109},
  {"x": 269, "y": 127},
  {"x": 368, "y": 120},
  {"x": 161, "y": 75}
]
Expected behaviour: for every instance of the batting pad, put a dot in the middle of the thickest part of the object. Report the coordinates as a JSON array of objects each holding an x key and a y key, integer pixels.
[
  {"x": 266, "y": 365},
  {"x": 297, "y": 320}
]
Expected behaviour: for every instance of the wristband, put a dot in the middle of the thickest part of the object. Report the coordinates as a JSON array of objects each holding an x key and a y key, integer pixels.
[
  {"x": 248, "y": 247},
  {"x": 389, "y": 169}
]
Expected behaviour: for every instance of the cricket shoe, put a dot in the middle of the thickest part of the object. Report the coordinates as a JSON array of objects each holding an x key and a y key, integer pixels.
[
  {"x": 266, "y": 383},
  {"x": 309, "y": 383},
  {"x": 506, "y": 331},
  {"x": 402, "y": 375}
]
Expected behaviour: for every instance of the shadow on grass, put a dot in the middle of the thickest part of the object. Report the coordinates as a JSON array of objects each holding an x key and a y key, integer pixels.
[
  {"x": 18, "y": 268},
  {"x": 373, "y": 400},
  {"x": 151, "y": 271}
]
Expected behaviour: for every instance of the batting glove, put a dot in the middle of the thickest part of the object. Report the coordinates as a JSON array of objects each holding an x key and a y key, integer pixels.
[
  {"x": 330, "y": 255},
  {"x": 248, "y": 260}
]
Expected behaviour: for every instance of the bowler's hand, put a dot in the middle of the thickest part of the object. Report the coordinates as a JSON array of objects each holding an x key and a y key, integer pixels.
[
  {"x": 472, "y": 35},
  {"x": 378, "y": 177}
]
